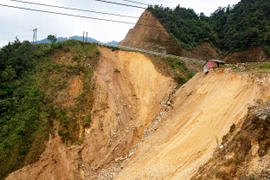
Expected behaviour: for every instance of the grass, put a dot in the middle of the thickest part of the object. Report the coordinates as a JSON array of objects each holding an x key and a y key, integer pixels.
[
  {"x": 174, "y": 67},
  {"x": 264, "y": 68},
  {"x": 258, "y": 67}
]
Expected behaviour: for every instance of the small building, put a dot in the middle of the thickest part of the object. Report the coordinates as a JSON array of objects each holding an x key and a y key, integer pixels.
[{"x": 212, "y": 63}]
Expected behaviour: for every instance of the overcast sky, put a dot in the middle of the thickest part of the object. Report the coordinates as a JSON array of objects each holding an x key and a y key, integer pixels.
[{"x": 20, "y": 23}]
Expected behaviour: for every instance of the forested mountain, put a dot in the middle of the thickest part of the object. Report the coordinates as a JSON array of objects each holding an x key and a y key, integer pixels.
[{"x": 230, "y": 29}]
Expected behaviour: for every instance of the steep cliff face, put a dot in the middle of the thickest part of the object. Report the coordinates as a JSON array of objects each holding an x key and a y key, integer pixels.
[
  {"x": 128, "y": 93},
  {"x": 149, "y": 34}
]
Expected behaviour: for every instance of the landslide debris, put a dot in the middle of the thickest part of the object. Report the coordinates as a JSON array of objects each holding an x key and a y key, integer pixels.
[
  {"x": 99, "y": 102},
  {"x": 244, "y": 151},
  {"x": 115, "y": 114},
  {"x": 203, "y": 110}
]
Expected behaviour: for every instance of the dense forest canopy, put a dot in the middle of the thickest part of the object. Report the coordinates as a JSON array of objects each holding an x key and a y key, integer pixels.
[{"x": 233, "y": 28}]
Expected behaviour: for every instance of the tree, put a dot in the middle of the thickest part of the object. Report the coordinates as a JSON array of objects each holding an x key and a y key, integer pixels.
[{"x": 52, "y": 38}]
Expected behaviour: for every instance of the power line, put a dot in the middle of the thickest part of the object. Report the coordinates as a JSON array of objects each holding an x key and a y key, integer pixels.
[
  {"x": 121, "y": 4},
  {"x": 136, "y": 2},
  {"x": 78, "y": 16},
  {"x": 75, "y": 9},
  {"x": 65, "y": 14}
]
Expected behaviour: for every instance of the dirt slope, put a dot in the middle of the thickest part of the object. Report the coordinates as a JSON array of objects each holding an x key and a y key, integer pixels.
[
  {"x": 254, "y": 54},
  {"x": 148, "y": 33},
  {"x": 203, "y": 111},
  {"x": 244, "y": 153},
  {"x": 128, "y": 93}
]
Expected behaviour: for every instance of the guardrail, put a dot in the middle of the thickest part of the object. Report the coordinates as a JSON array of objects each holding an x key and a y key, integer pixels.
[{"x": 153, "y": 52}]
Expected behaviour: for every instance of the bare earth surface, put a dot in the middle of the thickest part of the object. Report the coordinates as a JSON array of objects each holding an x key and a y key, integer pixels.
[
  {"x": 141, "y": 128},
  {"x": 203, "y": 111},
  {"x": 128, "y": 94}
]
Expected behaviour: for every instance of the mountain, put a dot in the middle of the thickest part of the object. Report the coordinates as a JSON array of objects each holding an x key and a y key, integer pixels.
[
  {"x": 57, "y": 92},
  {"x": 112, "y": 43},
  {"x": 149, "y": 33},
  {"x": 243, "y": 28},
  {"x": 74, "y": 110},
  {"x": 79, "y": 38},
  {"x": 61, "y": 39}
]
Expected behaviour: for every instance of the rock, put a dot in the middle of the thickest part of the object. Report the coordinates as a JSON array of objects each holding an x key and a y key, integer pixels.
[
  {"x": 118, "y": 113},
  {"x": 130, "y": 154}
]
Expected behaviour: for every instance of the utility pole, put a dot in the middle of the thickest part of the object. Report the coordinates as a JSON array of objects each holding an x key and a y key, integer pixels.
[
  {"x": 86, "y": 36},
  {"x": 35, "y": 36},
  {"x": 83, "y": 36}
]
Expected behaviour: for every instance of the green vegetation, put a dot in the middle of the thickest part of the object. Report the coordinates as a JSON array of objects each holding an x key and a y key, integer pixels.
[
  {"x": 264, "y": 68},
  {"x": 180, "y": 70},
  {"x": 230, "y": 29},
  {"x": 34, "y": 83},
  {"x": 259, "y": 67},
  {"x": 52, "y": 39}
]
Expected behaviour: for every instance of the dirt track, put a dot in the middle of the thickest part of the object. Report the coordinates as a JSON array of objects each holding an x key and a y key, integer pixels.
[{"x": 129, "y": 94}]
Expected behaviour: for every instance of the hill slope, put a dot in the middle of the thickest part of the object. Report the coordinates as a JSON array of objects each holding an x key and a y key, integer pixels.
[
  {"x": 203, "y": 111},
  {"x": 149, "y": 34},
  {"x": 244, "y": 153},
  {"x": 113, "y": 114},
  {"x": 234, "y": 32},
  {"x": 95, "y": 119}
]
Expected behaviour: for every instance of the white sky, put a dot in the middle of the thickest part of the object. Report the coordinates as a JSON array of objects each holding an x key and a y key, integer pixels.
[{"x": 20, "y": 23}]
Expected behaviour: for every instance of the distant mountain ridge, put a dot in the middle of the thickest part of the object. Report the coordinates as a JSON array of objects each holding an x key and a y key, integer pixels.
[{"x": 79, "y": 38}]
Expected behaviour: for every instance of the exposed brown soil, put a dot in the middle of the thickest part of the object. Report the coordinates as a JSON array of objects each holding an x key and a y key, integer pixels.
[
  {"x": 202, "y": 113},
  {"x": 128, "y": 94},
  {"x": 244, "y": 152},
  {"x": 74, "y": 89},
  {"x": 142, "y": 127},
  {"x": 149, "y": 34},
  {"x": 204, "y": 51},
  {"x": 254, "y": 54}
]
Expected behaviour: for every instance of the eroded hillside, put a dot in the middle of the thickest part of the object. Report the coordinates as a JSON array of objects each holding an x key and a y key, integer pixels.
[
  {"x": 128, "y": 92},
  {"x": 244, "y": 150},
  {"x": 203, "y": 111},
  {"x": 122, "y": 115}
]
